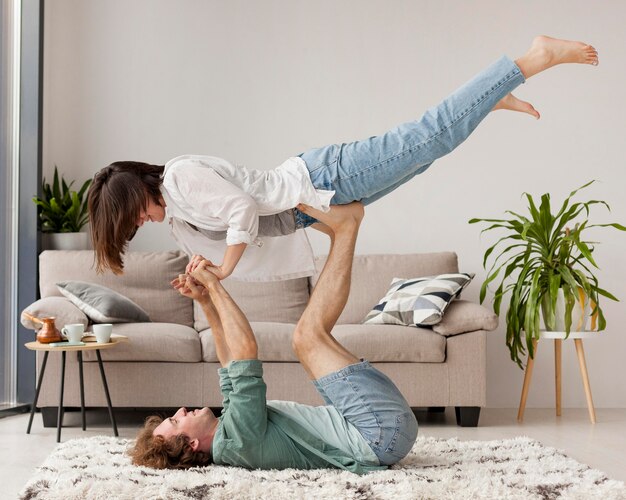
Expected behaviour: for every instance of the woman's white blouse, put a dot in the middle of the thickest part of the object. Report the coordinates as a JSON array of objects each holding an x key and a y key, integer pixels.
[{"x": 213, "y": 194}]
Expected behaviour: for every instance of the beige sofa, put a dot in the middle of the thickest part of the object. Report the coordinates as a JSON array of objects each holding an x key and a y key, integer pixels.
[{"x": 172, "y": 361}]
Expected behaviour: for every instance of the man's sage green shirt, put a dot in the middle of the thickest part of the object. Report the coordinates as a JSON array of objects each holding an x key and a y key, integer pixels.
[{"x": 257, "y": 434}]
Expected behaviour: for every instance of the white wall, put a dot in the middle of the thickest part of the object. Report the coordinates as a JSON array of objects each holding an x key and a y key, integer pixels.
[{"x": 256, "y": 82}]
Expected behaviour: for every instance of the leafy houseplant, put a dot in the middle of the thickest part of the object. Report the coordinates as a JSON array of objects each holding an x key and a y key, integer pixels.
[
  {"x": 543, "y": 255},
  {"x": 60, "y": 209}
]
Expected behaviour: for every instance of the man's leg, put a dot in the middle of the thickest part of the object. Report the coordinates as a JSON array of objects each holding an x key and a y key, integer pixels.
[
  {"x": 365, "y": 397},
  {"x": 318, "y": 351}
]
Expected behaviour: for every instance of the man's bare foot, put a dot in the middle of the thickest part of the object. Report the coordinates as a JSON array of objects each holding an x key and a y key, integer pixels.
[
  {"x": 512, "y": 103},
  {"x": 339, "y": 216},
  {"x": 546, "y": 52},
  {"x": 323, "y": 228}
]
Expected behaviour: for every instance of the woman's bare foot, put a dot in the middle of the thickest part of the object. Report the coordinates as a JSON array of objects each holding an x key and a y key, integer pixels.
[
  {"x": 512, "y": 103},
  {"x": 338, "y": 217},
  {"x": 546, "y": 52}
]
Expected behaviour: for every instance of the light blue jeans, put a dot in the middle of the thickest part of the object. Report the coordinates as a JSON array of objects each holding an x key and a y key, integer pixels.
[
  {"x": 368, "y": 170},
  {"x": 370, "y": 401}
]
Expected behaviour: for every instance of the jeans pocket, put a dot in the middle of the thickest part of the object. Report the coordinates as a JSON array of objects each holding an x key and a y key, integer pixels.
[{"x": 404, "y": 436}]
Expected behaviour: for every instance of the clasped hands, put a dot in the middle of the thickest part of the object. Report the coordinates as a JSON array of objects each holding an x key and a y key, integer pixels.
[
  {"x": 197, "y": 280},
  {"x": 196, "y": 260}
]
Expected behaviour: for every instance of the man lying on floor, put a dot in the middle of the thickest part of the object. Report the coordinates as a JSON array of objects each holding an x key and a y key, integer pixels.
[{"x": 366, "y": 424}]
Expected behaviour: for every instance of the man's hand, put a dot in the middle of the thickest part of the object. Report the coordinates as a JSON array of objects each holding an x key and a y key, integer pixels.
[{"x": 189, "y": 287}]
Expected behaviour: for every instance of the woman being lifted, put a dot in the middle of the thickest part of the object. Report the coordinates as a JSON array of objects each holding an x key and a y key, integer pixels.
[{"x": 217, "y": 210}]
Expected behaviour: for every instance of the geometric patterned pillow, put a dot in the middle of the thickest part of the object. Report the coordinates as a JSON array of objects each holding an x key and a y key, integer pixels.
[{"x": 418, "y": 301}]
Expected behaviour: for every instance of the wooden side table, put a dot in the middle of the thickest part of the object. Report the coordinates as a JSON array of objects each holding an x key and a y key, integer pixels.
[
  {"x": 558, "y": 338},
  {"x": 89, "y": 346}
]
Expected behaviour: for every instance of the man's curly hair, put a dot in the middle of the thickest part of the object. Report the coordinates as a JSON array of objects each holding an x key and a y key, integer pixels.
[{"x": 160, "y": 453}]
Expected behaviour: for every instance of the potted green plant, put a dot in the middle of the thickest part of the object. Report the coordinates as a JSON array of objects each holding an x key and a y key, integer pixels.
[
  {"x": 62, "y": 214},
  {"x": 547, "y": 268}
]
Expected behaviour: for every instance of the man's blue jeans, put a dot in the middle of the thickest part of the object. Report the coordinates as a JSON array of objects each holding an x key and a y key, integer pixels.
[
  {"x": 368, "y": 170},
  {"x": 370, "y": 401}
]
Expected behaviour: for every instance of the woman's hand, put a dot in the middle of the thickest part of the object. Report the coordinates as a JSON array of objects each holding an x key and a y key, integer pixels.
[
  {"x": 218, "y": 271},
  {"x": 194, "y": 262},
  {"x": 204, "y": 274}
]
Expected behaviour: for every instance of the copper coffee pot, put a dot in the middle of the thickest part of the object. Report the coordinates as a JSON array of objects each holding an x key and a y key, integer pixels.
[{"x": 48, "y": 331}]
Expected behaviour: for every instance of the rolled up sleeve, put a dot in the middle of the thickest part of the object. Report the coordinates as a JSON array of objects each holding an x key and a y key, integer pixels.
[
  {"x": 226, "y": 387},
  {"x": 234, "y": 237},
  {"x": 245, "y": 419}
]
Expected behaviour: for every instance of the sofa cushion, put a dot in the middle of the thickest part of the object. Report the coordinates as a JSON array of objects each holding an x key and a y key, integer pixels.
[
  {"x": 102, "y": 304},
  {"x": 279, "y": 301},
  {"x": 371, "y": 275},
  {"x": 146, "y": 280},
  {"x": 165, "y": 342},
  {"x": 376, "y": 343},
  {"x": 463, "y": 316},
  {"x": 418, "y": 301}
]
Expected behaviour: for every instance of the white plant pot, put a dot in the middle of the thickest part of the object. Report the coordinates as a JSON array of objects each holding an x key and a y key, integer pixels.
[
  {"x": 580, "y": 314},
  {"x": 65, "y": 241}
]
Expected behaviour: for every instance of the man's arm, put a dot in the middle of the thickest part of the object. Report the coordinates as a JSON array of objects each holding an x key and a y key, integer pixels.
[
  {"x": 245, "y": 421},
  {"x": 237, "y": 331},
  {"x": 187, "y": 286}
]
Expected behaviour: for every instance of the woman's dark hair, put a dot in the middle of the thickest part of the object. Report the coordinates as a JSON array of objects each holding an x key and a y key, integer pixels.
[
  {"x": 116, "y": 198},
  {"x": 160, "y": 453}
]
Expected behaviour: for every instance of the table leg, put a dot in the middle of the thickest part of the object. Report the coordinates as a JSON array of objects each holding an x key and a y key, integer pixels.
[
  {"x": 558, "y": 344},
  {"x": 527, "y": 377},
  {"x": 32, "y": 410},
  {"x": 585, "y": 375},
  {"x": 82, "y": 388},
  {"x": 106, "y": 392},
  {"x": 60, "y": 413}
]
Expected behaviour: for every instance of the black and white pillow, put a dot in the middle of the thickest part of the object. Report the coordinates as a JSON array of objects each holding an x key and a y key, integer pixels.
[
  {"x": 418, "y": 301},
  {"x": 101, "y": 304}
]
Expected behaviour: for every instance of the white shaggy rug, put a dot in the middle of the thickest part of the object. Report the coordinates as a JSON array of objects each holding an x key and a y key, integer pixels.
[{"x": 520, "y": 468}]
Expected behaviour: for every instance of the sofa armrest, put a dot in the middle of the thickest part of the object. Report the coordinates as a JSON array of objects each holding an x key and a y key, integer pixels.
[
  {"x": 463, "y": 316},
  {"x": 60, "y": 307}
]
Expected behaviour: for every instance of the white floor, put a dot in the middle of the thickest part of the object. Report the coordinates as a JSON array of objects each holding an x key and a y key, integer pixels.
[{"x": 601, "y": 446}]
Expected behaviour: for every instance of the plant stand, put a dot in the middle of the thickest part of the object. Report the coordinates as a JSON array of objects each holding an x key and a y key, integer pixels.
[{"x": 558, "y": 338}]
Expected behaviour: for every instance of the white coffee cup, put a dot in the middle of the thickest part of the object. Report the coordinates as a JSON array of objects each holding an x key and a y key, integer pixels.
[
  {"x": 73, "y": 332},
  {"x": 102, "y": 332}
]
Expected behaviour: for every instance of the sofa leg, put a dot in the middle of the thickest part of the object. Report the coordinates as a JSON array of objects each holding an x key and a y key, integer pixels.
[
  {"x": 49, "y": 416},
  {"x": 467, "y": 416},
  {"x": 436, "y": 409}
]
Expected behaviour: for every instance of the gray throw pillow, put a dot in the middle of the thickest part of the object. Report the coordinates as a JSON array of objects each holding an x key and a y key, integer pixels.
[
  {"x": 101, "y": 304},
  {"x": 418, "y": 301}
]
